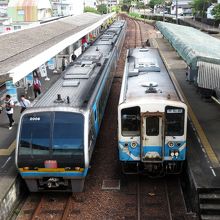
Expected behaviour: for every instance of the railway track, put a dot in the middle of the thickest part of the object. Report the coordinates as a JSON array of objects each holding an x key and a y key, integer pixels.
[
  {"x": 156, "y": 199},
  {"x": 138, "y": 197},
  {"x": 48, "y": 206},
  {"x": 139, "y": 37}
]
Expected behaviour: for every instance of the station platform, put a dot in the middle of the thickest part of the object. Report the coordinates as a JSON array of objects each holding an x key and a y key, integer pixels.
[
  {"x": 11, "y": 186},
  {"x": 203, "y": 154},
  {"x": 53, "y": 39}
]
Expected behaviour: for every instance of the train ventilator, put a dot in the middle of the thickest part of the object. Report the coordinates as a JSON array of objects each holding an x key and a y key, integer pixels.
[
  {"x": 56, "y": 137},
  {"x": 152, "y": 118}
]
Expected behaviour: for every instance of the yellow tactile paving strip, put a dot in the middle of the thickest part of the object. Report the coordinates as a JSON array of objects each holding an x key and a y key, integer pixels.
[
  {"x": 9, "y": 150},
  {"x": 201, "y": 134}
]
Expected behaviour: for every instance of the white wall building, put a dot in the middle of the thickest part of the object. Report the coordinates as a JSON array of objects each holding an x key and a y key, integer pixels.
[
  {"x": 3, "y": 8},
  {"x": 184, "y": 7},
  {"x": 90, "y": 3},
  {"x": 109, "y": 2},
  {"x": 67, "y": 7},
  {"x": 209, "y": 10}
]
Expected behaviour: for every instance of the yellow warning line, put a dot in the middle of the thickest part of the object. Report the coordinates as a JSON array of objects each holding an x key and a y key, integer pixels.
[
  {"x": 8, "y": 151},
  {"x": 204, "y": 140}
]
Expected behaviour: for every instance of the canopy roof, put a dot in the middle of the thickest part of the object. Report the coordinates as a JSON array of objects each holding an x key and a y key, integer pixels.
[
  {"x": 23, "y": 51},
  {"x": 191, "y": 44}
]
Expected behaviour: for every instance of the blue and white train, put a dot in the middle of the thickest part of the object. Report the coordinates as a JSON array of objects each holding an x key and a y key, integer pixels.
[
  {"x": 56, "y": 137},
  {"x": 152, "y": 118}
]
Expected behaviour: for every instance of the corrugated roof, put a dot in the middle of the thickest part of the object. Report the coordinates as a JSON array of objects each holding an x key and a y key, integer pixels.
[
  {"x": 18, "y": 47},
  {"x": 191, "y": 44},
  {"x": 208, "y": 75}
]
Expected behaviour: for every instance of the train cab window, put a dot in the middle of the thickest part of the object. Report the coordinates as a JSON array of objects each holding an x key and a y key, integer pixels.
[
  {"x": 174, "y": 121},
  {"x": 67, "y": 133},
  {"x": 49, "y": 133},
  {"x": 152, "y": 126},
  {"x": 34, "y": 134},
  {"x": 130, "y": 121}
]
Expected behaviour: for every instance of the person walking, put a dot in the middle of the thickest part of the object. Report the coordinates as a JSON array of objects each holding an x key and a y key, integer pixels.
[
  {"x": 36, "y": 86},
  {"x": 24, "y": 103},
  {"x": 64, "y": 63},
  {"x": 73, "y": 57},
  {"x": 9, "y": 105}
]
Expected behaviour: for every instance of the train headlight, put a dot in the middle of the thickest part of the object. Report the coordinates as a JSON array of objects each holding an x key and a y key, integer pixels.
[
  {"x": 176, "y": 153},
  {"x": 126, "y": 145},
  {"x": 172, "y": 154},
  {"x": 133, "y": 144},
  {"x": 170, "y": 144},
  {"x": 178, "y": 144}
]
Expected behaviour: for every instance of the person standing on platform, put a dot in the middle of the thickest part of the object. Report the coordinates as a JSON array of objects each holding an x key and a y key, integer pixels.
[
  {"x": 84, "y": 43},
  {"x": 9, "y": 105},
  {"x": 73, "y": 57},
  {"x": 91, "y": 38},
  {"x": 36, "y": 86},
  {"x": 64, "y": 63},
  {"x": 35, "y": 73},
  {"x": 24, "y": 103}
]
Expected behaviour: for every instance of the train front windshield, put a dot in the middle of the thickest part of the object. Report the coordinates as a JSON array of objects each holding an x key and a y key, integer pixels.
[
  {"x": 51, "y": 136},
  {"x": 174, "y": 121},
  {"x": 130, "y": 121}
]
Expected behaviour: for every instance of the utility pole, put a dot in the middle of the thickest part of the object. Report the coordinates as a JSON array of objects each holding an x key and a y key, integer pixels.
[
  {"x": 176, "y": 11},
  {"x": 61, "y": 7},
  {"x": 163, "y": 11},
  {"x": 110, "y": 5}
]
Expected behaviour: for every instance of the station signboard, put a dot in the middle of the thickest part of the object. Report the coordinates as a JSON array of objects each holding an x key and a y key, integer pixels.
[{"x": 11, "y": 90}]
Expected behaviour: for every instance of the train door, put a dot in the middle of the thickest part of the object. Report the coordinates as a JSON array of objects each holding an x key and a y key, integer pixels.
[{"x": 152, "y": 135}]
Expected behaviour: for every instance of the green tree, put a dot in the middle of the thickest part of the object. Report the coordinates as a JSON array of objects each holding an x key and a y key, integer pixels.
[
  {"x": 216, "y": 12},
  {"x": 199, "y": 7},
  {"x": 152, "y": 3},
  {"x": 140, "y": 5},
  {"x": 102, "y": 9},
  {"x": 90, "y": 9},
  {"x": 115, "y": 8},
  {"x": 126, "y": 2},
  {"x": 125, "y": 5}
]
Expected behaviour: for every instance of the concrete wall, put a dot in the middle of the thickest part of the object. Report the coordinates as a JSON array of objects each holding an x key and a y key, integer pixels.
[{"x": 15, "y": 192}]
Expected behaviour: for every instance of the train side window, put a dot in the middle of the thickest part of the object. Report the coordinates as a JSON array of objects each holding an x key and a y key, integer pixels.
[
  {"x": 91, "y": 129},
  {"x": 95, "y": 114},
  {"x": 130, "y": 121},
  {"x": 152, "y": 126}
]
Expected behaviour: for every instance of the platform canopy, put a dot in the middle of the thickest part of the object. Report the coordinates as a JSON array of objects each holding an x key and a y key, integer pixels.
[
  {"x": 191, "y": 44},
  {"x": 23, "y": 51}
]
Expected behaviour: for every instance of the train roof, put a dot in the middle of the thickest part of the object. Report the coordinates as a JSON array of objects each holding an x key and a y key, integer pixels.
[
  {"x": 22, "y": 48},
  {"x": 146, "y": 77},
  {"x": 79, "y": 80}
]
